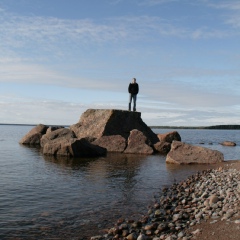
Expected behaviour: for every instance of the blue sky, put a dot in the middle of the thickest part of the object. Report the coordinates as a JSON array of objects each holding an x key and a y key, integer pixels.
[{"x": 60, "y": 57}]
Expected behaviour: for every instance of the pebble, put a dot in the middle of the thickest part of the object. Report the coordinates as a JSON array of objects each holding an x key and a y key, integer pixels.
[{"x": 210, "y": 194}]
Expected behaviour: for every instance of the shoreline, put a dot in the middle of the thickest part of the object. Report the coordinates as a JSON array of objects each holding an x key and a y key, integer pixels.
[{"x": 204, "y": 206}]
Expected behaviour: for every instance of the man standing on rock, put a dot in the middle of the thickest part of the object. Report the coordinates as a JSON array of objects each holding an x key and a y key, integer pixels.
[{"x": 133, "y": 91}]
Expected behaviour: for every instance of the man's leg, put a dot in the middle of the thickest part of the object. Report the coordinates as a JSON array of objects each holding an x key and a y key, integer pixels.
[
  {"x": 130, "y": 101},
  {"x": 134, "y": 102}
]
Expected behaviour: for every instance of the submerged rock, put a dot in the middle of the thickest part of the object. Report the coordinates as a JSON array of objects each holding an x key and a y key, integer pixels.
[{"x": 228, "y": 143}]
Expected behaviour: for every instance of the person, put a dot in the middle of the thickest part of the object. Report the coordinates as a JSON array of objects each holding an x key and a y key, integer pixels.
[{"x": 133, "y": 91}]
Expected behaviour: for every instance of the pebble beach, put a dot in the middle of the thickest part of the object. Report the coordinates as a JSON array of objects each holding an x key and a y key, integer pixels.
[{"x": 190, "y": 209}]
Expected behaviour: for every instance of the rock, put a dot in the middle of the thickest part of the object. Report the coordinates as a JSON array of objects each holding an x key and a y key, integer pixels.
[
  {"x": 213, "y": 199},
  {"x": 162, "y": 147},
  {"x": 72, "y": 147},
  {"x": 96, "y": 123},
  {"x": 114, "y": 143},
  {"x": 169, "y": 137},
  {"x": 141, "y": 237},
  {"x": 53, "y": 128},
  {"x": 132, "y": 236},
  {"x": 138, "y": 143},
  {"x": 59, "y": 133},
  {"x": 196, "y": 232},
  {"x": 34, "y": 136},
  {"x": 182, "y": 153},
  {"x": 228, "y": 143}
]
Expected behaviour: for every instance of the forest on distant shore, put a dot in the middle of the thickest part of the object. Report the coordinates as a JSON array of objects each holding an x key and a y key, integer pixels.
[{"x": 228, "y": 127}]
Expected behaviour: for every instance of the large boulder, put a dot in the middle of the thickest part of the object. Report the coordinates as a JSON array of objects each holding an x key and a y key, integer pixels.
[
  {"x": 72, "y": 147},
  {"x": 138, "y": 143},
  {"x": 169, "y": 137},
  {"x": 33, "y": 137},
  {"x": 58, "y": 133},
  {"x": 95, "y": 123},
  {"x": 114, "y": 143},
  {"x": 182, "y": 153}
]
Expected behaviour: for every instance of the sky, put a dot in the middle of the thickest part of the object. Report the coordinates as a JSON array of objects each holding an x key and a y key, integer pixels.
[{"x": 59, "y": 58}]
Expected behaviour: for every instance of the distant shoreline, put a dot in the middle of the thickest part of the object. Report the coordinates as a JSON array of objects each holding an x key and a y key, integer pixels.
[{"x": 217, "y": 127}]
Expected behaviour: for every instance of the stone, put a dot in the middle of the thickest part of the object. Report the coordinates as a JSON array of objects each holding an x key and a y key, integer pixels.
[
  {"x": 162, "y": 147},
  {"x": 132, "y": 236},
  {"x": 138, "y": 143},
  {"x": 228, "y": 143},
  {"x": 141, "y": 237},
  {"x": 169, "y": 137},
  {"x": 96, "y": 123},
  {"x": 33, "y": 137},
  {"x": 72, "y": 147},
  {"x": 213, "y": 199},
  {"x": 183, "y": 153},
  {"x": 53, "y": 128},
  {"x": 58, "y": 133},
  {"x": 114, "y": 143}
]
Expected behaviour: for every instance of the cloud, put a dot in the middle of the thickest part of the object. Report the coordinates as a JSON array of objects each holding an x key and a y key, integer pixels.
[{"x": 42, "y": 33}]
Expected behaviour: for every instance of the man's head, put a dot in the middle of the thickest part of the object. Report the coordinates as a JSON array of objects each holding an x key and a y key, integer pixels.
[{"x": 134, "y": 80}]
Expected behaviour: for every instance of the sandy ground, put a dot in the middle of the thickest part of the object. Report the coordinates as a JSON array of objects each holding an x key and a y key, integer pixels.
[{"x": 219, "y": 230}]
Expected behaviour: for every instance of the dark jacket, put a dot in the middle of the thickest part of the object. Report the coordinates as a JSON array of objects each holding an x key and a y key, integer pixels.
[{"x": 133, "y": 88}]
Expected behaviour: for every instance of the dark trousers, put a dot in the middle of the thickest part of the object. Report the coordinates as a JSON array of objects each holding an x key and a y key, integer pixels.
[{"x": 134, "y": 98}]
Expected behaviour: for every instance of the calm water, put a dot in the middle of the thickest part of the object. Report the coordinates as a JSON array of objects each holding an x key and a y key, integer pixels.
[{"x": 45, "y": 198}]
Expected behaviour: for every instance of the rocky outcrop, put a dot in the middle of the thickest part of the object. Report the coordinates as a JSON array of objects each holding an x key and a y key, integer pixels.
[
  {"x": 169, "y": 137},
  {"x": 95, "y": 123},
  {"x": 114, "y": 143},
  {"x": 228, "y": 144},
  {"x": 182, "y": 153},
  {"x": 111, "y": 130},
  {"x": 138, "y": 143},
  {"x": 33, "y": 137}
]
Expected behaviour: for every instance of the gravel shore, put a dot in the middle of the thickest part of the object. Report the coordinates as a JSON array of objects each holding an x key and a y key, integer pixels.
[{"x": 204, "y": 206}]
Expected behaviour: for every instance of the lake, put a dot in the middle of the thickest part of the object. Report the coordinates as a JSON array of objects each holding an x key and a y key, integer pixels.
[{"x": 46, "y": 198}]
